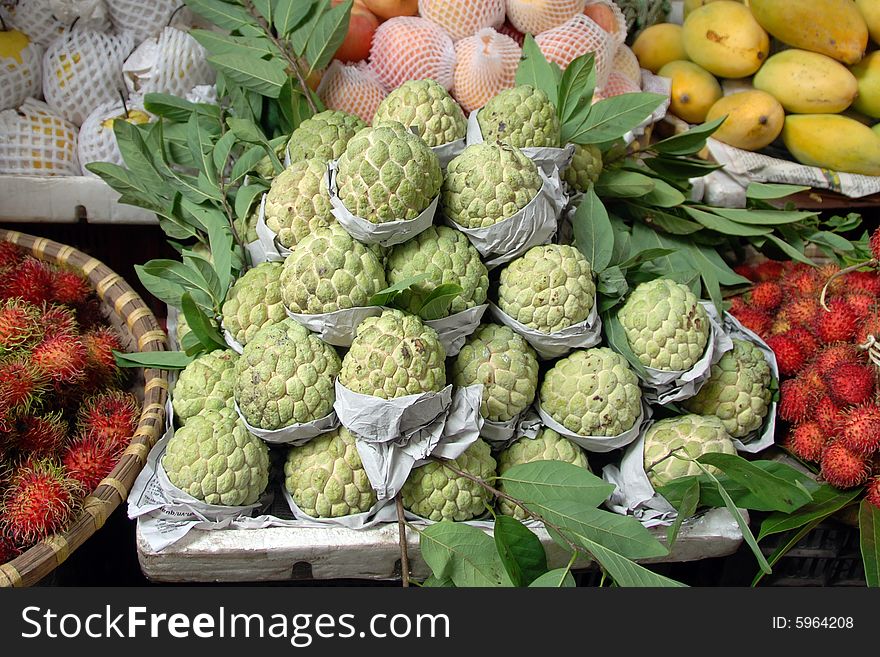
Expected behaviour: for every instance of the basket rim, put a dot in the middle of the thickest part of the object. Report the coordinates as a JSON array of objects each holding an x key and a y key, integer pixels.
[{"x": 42, "y": 558}]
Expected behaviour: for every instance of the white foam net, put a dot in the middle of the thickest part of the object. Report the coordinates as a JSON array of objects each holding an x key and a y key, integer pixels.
[
  {"x": 145, "y": 19},
  {"x": 172, "y": 64},
  {"x": 463, "y": 18},
  {"x": 509, "y": 30},
  {"x": 626, "y": 63},
  {"x": 352, "y": 89},
  {"x": 608, "y": 16},
  {"x": 536, "y": 16},
  {"x": 34, "y": 140},
  {"x": 82, "y": 69},
  {"x": 96, "y": 141},
  {"x": 412, "y": 48},
  {"x": 90, "y": 14},
  {"x": 484, "y": 65},
  {"x": 577, "y": 37},
  {"x": 619, "y": 84},
  {"x": 20, "y": 76},
  {"x": 34, "y": 18}
]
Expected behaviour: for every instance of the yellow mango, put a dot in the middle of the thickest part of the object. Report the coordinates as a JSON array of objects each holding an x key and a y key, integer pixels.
[
  {"x": 754, "y": 119},
  {"x": 867, "y": 74},
  {"x": 694, "y": 90},
  {"x": 831, "y": 141},
  {"x": 831, "y": 27},
  {"x": 134, "y": 116},
  {"x": 876, "y": 129},
  {"x": 725, "y": 39},
  {"x": 870, "y": 10},
  {"x": 807, "y": 83},
  {"x": 13, "y": 44},
  {"x": 658, "y": 45},
  {"x": 691, "y": 5}
]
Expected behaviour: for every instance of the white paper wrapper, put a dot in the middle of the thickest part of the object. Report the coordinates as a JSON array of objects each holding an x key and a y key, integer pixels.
[
  {"x": 203, "y": 93},
  {"x": 294, "y": 434},
  {"x": 549, "y": 160},
  {"x": 337, "y": 328},
  {"x": 501, "y": 435},
  {"x": 232, "y": 343},
  {"x": 454, "y": 330},
  {"x": 392, "y": 435},
  {"x": 662, "y": 387},
  {"x": 381, "y": 511},
  {"x": 386, "y": 234},
  {"x": 448, "y": 152},
  {"x": 599, "y": 444},
  {"x": 583, "y": 335},
  {"x": 268, "y": 238},
  {"x": 535, "y": 224}
]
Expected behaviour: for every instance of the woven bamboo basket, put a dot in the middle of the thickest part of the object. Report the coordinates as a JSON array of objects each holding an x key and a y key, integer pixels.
[{"x": 139, "y": 331}]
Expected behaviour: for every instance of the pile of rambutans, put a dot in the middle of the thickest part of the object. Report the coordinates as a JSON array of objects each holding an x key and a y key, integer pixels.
[
  {"x": 830, "y": 398},
  {"x": 65, "y": 418}
]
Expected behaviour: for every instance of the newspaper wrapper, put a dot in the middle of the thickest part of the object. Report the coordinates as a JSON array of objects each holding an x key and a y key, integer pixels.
[
  {"x": 745, "y": 167},
  {"x": 172, "y": 63},
  {"x": 385, "y": 234},
  {"x": 549, "y": 160},
  {"x": 599, "y": 444},
  {"x": 381, "y": 511},
  {"x": 23, "y": 78},
  {"x": 294, "y": 434},
  {"x": 454, "y": 330},
  {"x": 582, "y": 335},
  {"x": 448, "y": 152},
  {"x": 394, "y": 434},
  {"x": 664, "y": 387},
  {"x": 501, "y": 435}
]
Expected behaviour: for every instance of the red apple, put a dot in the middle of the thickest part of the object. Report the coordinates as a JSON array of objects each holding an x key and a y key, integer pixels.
[
  {"x": 356, "y": 45},
  {"x": 603, "y": 16}
]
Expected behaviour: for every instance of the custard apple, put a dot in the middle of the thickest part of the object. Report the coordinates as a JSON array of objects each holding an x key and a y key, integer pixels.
[
  {"x": 266, "y": 168},
  {"x": 546, "y": 446},
  {"x": 666, "y": 327},
  {"x": 246, "y": 226},
  {"x": 548, "y": 288},
  {"x": 425, "y": 107},
  {"x": 592, "y": 392},
  {"x": 215, "y": 459},
  {"x": 298, "y": 202},
  {"x": 254, "y": 301},
  {"x": 394, "y": 355},
  {"x": 325, "y": 477},
  {"x": 585, "y": 167},
  {"x": 522, "y": 117},
  {"x": 329, "y": 270},
  {"x": 388, "y": 174},
  {"x": 206, "y": 383},
  {"x": 323, "y": 136},
  {"x": 690, "y": 436},
  {"x": 488, "y": 183},
  {"x": 738, "y": 390},
  {"x": 448, "y": 257},
  {"x": 285, "y": 376},
  {"x": 505, "y": 364},
  {"x": 434, "y": 492}
]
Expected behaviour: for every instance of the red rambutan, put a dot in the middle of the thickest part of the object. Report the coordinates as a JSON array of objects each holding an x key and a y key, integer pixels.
[
  {"x": 58, "y": 320},
  {"x": 100, "y": 345},
  {"x": 804, "y": 282},
  {"x": 789, "y": 354},
  {"x": 870, "y": 326},
  {"x": 754, "y": 319},
  {"x": 802, "y": 311},
  {"x": 89, "y": 315},
  {"x": 767, "y": 295},
  {"x": 872, "y": 492},
  {"x": 40, "y": 500},
  {"x": 21, "y": 384},
  {"x": 837, "y": 325},
  {"x": 836, "y": 354},
  {"x": 797, "y": 399},
  {"x": 40, "y": 435},
  {"x": 827, "y": 415},
  {"x": 110, "y": 416},
  {"x": 803, "y": 338},
  {"x": 69, "y": 288},
  {"x": 30, "y": 280},
  {"x": 19, "y": 325},
  {"x": 61, "y": 358},
  {"x": 746, "y": 271},
  {"x": 861, "y": 303},
  {"x": 850, "y": 384},
  {"x": 807, "y": 441},
  {"x": 10, "y": 254},
  {"x": 826, "y": 276},
  {"x": 860, "y": 429},
  {"x": 769, "y": 270},
  {"x": 843, "y": 468},
  {"x": 875, "y": 243},
  {"x": 737, "y": 304},
  {"x": 863, "y": 281},
  {"x": 89, "y": 459},
  {"x": 8, "y": 551}
]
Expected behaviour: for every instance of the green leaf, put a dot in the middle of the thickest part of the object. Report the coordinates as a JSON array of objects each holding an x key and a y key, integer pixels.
[
  {"x": 221, "y": 242},
  {"x": 163, "y": 360},
  {"x": 555, "y": 579},
  {"x": 619, "y": 183},
  {"x": 612, "y": 283},
  {"x": 438, "y": 302},
  {"x": 220, "y": 44},
  {"x": 618, "y": 341},
  {"x": 612, "y": 118},
  {"x": 645, "y": 256},
  {"x": 222, "y": 150},
  {"x": 200, "y": 324},
  {"x": 827, "y": 500},
  {"x": 300, "y": 37},
  {"x": 167, "y": 291},
  {"x": 544, "y": 481},
  {"x": 178, "y": 109},
  {"x": 690, "y": 142},
  {"x": 680, "y": 168},
  {"x": 327, "y": 36},
  {"x": 666, "y": 221},
  {"x": 202, "y": 146},
  {"x": 264, "y": 77},
  {"x": 264, "y": 7},
  {"x": 521, "y": 551},
  {"x": 437, "y": 583},
  {"x": 577, "y": 87},
  {"x": 623, "y": 571},
  {"x": 290, "y": 15},
  {"x": 136, "y": 155},
  {"x": 762, "y": 217},
  {"x": 222, "y": 14},
  {"x": 832, "y": 240},
  {"x": 724, "y": 226},
  {"x": 386, "y": 296},
  {"x": 767, "y": 191},
  {"x": 663, "y": 195},
  {"x": 535, "y": 71},
  {"x": 789, "y": 542},
  {"x": 789, "y": 250},
  {"x": 463, "y": 554},
  {"x": 593, "y": 235},
  {"x": 686, "y": 509},
  {"x": 245, "y": 197},
  {"x": 869, "y": 530},
  {"x": 189, "y": 278}
]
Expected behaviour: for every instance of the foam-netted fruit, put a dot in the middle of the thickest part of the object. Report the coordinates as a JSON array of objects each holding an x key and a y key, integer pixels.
[
  {"x": 388, "y": 174},
  {"x": 585, "y": 167},
  {"x": 323, "y": 136},
  {"x": 485, "y": 63},
  {"x": 254, "y": 301},
  {"x": 329, "y": 270},
  {"x": 738, "y": 390},
  {"x": 206, "y": 383},
  {"x": 447, "y": 256},
  {"x": 394, "y": 355},
  {"x": 549, "y": 288},
  {"x": 435, "y": 492},
  {"x": 426, "y": 108},
  {"x": 592, "y": 392},
  {"x": 354, "y": 89},
  {"x": 325, "y": 477},
  {"x": 505, "y": 364},
  {"x": 546, "y": 446},
  {"x": 298, "y": 202},
  {"x": 665, "y": 325},
  {"x": 521, "y": 117},
  {"x": 488, "y": 183},
  {"x": 690, "y": 436},
  {"x": 215, "y": 459},
  {"x": 285, "y": 376}
]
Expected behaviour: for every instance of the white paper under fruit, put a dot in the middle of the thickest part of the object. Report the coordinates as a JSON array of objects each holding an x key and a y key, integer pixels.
[
  {"x": 172, "y": 63},
  {"x": 97, "y": 142},
  {"x": 455, "y": 329},
  {"x": 21, "y": 76},
  {"x": 447, "y": 152},
  {"x": 599, "y": 444},
  {"x": 82, "y": 69},
  {"x": 501, "y": 435},
  {"x": 34, "y": 140},
  {"x": 381, "y": 511},
  {"x": 293, "y": 434},
  {"x": 393, "y": 435},
  {"x": 145, "y": 19},
  {"x": 337, "y": 328},
  {"x": 582, "y": 335}
]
